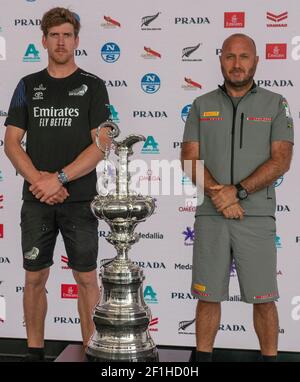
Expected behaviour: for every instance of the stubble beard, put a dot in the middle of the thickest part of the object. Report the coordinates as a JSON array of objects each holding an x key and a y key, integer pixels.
[{"x": 242, "y": 83}]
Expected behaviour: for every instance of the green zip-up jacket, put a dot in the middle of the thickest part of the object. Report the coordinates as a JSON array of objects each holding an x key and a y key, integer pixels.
[{"x": 234, "y": 141}]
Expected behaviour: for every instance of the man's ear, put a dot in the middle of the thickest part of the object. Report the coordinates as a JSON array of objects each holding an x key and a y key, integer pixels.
[
  {"x": 44, "y": 41},
  {"x": 76, "y": 42}
]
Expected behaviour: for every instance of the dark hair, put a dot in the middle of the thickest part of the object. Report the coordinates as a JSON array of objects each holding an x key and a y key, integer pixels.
[{"x": 57, "y": 16}]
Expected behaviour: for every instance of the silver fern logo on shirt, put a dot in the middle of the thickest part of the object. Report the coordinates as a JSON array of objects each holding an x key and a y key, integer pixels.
[{"x": 79, "y": 91}]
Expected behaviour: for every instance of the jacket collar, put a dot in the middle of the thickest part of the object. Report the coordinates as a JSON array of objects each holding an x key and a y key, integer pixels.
[{"x": 253, "y": 88}]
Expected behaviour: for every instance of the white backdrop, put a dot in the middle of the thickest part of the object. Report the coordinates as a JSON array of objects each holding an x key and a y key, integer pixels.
[{"x": 155, "y": 45}]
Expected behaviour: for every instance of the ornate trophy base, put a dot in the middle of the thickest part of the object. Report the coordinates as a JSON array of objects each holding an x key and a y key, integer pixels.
[{"x": 122, "y": 317}]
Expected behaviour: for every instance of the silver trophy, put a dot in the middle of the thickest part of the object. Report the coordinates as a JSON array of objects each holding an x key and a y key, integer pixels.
[{"x": 121, "y": 317}]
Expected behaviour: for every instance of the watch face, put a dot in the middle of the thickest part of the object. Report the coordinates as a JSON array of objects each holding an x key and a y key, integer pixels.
[{"x": 243, "y": 194}]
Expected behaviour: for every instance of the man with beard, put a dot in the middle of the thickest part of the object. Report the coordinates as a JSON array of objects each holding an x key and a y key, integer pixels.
[
  {"x": 59, "y": 108},
  {"x": 244, "y": 135}
]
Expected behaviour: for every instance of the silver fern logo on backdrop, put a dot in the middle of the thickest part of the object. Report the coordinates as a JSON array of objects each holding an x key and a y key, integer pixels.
[
  {"x": 147, "y": 20},
  {"x": 189, "y": 51}
]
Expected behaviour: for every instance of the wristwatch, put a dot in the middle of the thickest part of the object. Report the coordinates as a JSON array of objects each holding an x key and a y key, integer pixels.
[
  {"x": 242, "y": 193},
  {"x": 62, "y": 177}
]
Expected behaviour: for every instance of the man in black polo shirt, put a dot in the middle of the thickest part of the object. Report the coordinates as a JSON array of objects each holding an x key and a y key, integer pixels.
[{"x": 59, "y": 108}]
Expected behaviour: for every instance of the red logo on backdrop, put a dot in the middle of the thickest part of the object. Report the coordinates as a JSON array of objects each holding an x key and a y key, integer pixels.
[
  {"x": 276, "y": 51},
  {"x": 65, "y": 260},
  {"x": 1, "y": 231},
  {"x": 69, "y": 291},
  {"x": 277, "y": 19},
  {"x": 152, "y": 52},
  {"x": 152, "y": 325},
  {"x": 109, "y": 20},
  {"x": 1, "y": 201},
  {"x": 234, "y": 19},
  {"x": 192, "y": 84}
]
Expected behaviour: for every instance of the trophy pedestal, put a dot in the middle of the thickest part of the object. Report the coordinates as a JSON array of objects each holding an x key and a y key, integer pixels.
[
  {"x": 122, "y": 317},
  {"x": 76, "y": 353}
]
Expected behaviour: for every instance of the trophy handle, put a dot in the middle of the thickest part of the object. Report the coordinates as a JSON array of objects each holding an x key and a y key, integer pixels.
[
  {"x": 127, "y": 143},
  {"x": 113, "y": 133}
]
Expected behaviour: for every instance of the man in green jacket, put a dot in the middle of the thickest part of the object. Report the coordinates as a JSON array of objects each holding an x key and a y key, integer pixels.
[{"x": 244, "y": 135}]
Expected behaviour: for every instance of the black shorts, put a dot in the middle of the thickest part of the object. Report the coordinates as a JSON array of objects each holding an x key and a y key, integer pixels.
[{"x": 40, "y": 224}]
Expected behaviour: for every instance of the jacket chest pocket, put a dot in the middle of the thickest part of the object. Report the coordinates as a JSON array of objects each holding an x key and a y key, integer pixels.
[
  {"x": 213, "y": 130},
  {"x": 255, "y": 133}
]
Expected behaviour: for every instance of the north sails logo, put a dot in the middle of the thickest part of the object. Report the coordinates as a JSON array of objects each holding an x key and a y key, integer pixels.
[
  {"x": 148, "y": 20},
  {"x": 79, "y": 91}
]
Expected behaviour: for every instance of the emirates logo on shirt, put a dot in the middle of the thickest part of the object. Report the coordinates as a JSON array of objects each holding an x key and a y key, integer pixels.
[{"x": 52, "y": 117}]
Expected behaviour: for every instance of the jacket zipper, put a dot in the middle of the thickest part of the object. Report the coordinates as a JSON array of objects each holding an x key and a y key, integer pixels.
[
  {"x": 241, "y": 131},
  {"x": 233, "y": 134},
  {"x": 232, "y": 142}
]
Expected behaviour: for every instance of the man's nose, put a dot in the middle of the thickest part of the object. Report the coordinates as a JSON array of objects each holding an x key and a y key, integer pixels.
[
  {"x": 61, "y": 40},
  {"x": 237, "y": 62}
]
